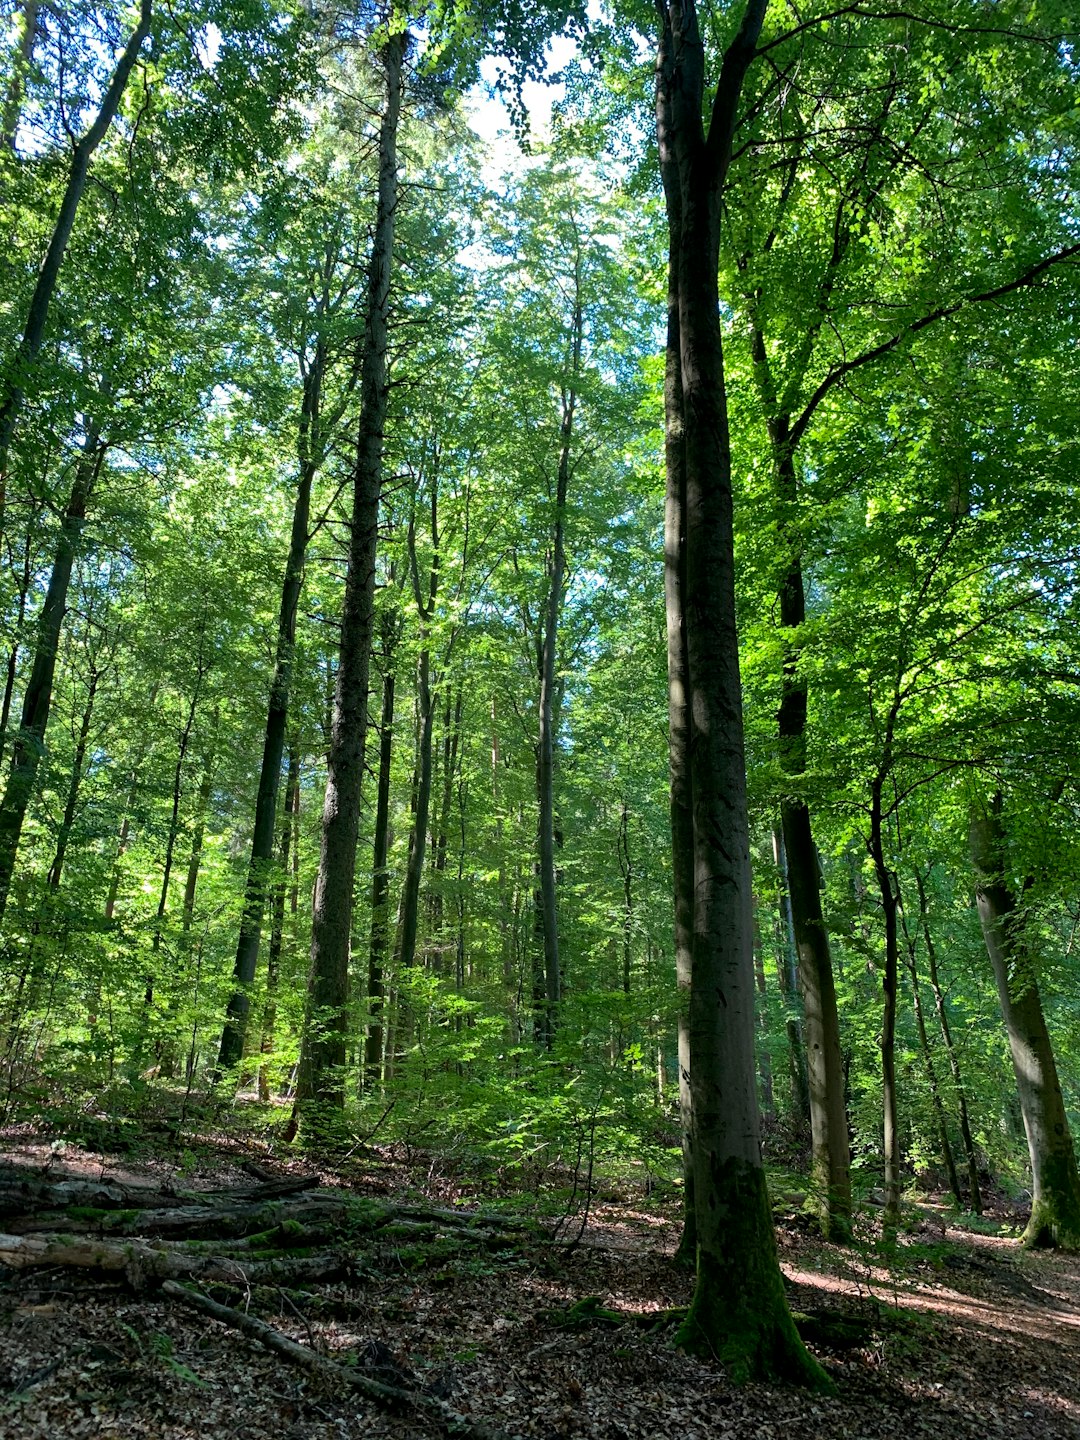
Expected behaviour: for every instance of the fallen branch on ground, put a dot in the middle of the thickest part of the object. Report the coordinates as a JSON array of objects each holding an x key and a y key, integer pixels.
[{"x": 388, "y": 1395}]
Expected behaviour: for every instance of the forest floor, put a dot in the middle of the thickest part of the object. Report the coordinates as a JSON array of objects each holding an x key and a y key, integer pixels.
[{"x": 970, "y": 1336}]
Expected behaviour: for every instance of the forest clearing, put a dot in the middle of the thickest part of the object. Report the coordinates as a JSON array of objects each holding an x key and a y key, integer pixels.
[
  {"x": 513, "y": 1324},
  {"x": 539, "y": 713}
]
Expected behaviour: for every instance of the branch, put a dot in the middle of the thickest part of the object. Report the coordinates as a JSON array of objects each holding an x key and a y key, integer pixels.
[{"x": 942, "y": 312}]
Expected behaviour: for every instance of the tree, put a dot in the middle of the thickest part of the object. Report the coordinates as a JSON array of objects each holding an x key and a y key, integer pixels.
[
  {"x": 1055, "y": 1200},
  {"x": 738, "y": 1311},
  {"x": 322, "y": 1063}
]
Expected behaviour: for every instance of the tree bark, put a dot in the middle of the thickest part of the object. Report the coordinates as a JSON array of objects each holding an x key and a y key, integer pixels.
[
  {"x": 974, "y": 1191},
  {"x": 681, "y": 807},
  {"x": 286, "y": 846},
  {"x": 380, "y": 872},
  {"x": 889, "y": 909},
  {"x": 1055, "y": 1200},
  {"x": 738, "y": 1314},
  {"x": 787, "y": 974},
  {"x": 321, "y": 1075},
  {"x": 262, "y": 838},
  {"x": 936, "y": 1100},
  {"x": 12, "y": 386},
  {"x": 29, "y": 743},
  {"x": 547, "y": 910}
]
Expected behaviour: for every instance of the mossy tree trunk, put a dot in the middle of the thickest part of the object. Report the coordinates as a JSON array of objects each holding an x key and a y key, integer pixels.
[{"x": 1055, "y": 1198}]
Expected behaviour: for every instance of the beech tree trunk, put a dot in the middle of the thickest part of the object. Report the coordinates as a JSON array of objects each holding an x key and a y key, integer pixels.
[
  {"x": 286, "y": 855},
  {"x": 932, "y": 1079},
  {"x": 321, "y": 1074},
  {"x": 889, "y": 910},
  {"x": 547, "y": 910},
  {"x": 262, "y": 837},
  {"x": 1055, "y": 1199},
  {"x": 787, "y": 974},
  {"x": 380, "y": 873},
  {"x": 974, "y": 1191},
  {"x": 29, "y": 742},
  {"x": 13, "y": 383},
  {"x": 738, "y": 1313}
]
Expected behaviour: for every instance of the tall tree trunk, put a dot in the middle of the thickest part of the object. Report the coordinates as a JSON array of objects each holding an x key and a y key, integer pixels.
[
  {"x": 67, "y": 822},
  {"x": 627, "y": 869},
  {"x": 830, "y": 1191},
  {"x": 455, "y": 703},
  {"x": 681, "y": 811},
  {"x": 13, "y": 654},
  {"x": 408, "y": 919},
  {"x": 936, "y": 1100},
  {"x": 262, "y": 837},
  {"x": 380, "y": 871},
  {"x": 30, "y": 741},
  {"x": 13, "y": 382},
  {"x": 787, "y": 974},
  {"x": 738, "y": 1313},
  {"x": 547, "y": 910},
  {"x": 321, "y": 1075},
  {"x": 409, "y": 916},
  {"x": 277, "y": 920},
  {"x": 1055, "y": 1200},
  {"x": 889, "y": 910},
  {"x": 974, "y": 1191}
]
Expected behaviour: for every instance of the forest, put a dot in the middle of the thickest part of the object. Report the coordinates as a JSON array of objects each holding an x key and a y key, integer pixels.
[{"x": 539, "y": 661}]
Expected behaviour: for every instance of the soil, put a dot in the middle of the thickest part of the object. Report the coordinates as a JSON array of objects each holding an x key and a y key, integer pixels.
[{"x": 971, "y": 1336}]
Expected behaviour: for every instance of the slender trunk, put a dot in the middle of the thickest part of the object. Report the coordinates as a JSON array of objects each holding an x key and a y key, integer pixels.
[
  {"x": 974, "y": 1191},
  {"x": 13, "y": 101},
  {"x": 889, "y": 910},
  {"x": 321, "y": 1075},
  {"x": 787, "y": 974},
  {"x": 628, "y": 895},
  {"x": 13, "y": 654},
  {"x": 936, "y": 1100},
  {"x": 262, "y": 837},
  {"x": 56, "y": 869},
  {"x": 30, "y": 741},
  {"x": 12, "y": 387},
  {"x": 764, "y": 1058},
  {"x": 1055, "y": 1199},
  {"x": 738, "y": 1313},
  {"x": 547, "y": 911},
  {"x": 277, "y": 920},
  {"x": 408, "y": 920},
  {"x": 451, "y": 743},
  {"x": 380, "y": 871},
  {"x": 174, "y": 826}
]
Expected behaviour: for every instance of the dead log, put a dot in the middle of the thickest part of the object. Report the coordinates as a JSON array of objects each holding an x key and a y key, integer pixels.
[
  {"x": 21, "y": 1194},
  {"x": 390, "y": 1396},
  {"x": 139, "y": 1262}
]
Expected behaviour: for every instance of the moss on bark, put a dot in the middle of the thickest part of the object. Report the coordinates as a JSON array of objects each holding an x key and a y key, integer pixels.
[
  {"x": 739, "y": 1314},
  {"x": 1055, "y": 1212}
]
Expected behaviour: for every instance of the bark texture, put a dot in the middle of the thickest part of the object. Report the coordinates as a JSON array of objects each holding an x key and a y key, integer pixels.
[
  {"x": 1055, "y": 1199},
  {"x": 262, "y": 837},
  {"x": 321, "y": 1076},
  {"x": 738, "y": 1313}
]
